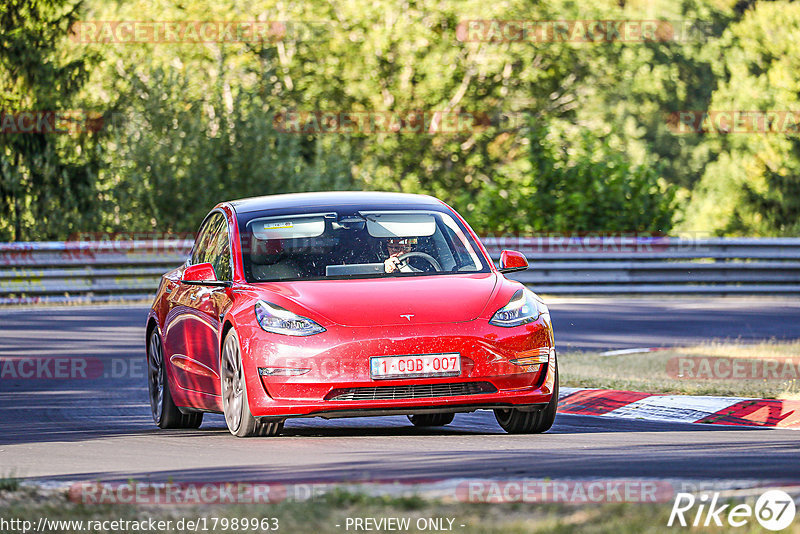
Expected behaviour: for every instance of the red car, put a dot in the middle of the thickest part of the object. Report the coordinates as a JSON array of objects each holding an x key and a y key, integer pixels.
[{"x": 346, "y": 304}]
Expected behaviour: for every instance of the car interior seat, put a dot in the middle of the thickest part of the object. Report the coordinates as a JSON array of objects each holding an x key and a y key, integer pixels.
[{"x": 270, "y": 262}]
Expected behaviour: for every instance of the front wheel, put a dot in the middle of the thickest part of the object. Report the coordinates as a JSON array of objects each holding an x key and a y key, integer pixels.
[
  {"x": 431, "y": 419},
  {"x": 235, "y": 406},
  {"x": 162, "y": 407},
  {"x": 515, "y": 421}
]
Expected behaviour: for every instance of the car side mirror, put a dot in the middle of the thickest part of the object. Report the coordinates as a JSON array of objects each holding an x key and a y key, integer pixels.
[
  {"x": 202, "y": 274},
  {"x": 511, "y": 261}
]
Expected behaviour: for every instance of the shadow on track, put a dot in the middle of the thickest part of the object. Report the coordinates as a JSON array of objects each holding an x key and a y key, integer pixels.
[{"x": 535, "y": 460}]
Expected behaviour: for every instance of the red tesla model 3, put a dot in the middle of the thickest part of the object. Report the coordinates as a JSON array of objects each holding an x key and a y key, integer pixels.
[{"x": 346, "y": 304}]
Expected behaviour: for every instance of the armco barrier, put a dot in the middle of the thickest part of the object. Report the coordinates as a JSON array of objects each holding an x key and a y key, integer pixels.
[
  {"x": 619, "y": 265},
  {"x": 86, "y": 270},
  {"x": 122, "y": 270}
]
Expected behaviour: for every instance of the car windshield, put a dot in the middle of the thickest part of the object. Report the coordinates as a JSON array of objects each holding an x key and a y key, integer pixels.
[{"x": 360, "y": 244}]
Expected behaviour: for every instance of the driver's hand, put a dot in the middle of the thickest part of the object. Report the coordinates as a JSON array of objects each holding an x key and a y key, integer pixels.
[{"x": 392, "y": 264}]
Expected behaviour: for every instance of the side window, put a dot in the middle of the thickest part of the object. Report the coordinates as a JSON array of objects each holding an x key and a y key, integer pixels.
[
  {"x": 218, "y": 252},
  {"x": 200, "y": 249}
]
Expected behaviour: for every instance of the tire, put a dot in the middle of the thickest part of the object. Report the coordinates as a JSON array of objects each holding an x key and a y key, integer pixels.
[
  {"x": 162, "y": 407},
  {"x": 432, "y": 419},
  {"x": 515, "y": 421},
  {"x": 235, "y": 406}
]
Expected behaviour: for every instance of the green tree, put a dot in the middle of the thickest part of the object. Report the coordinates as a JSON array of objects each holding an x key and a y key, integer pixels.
[
  {"x": 585, "y": 187},
  {"x": 193, "y": 122},
  {"x": 181, "y": 157},
  {"x": 752, "y": 183},
  {"x": 47, "y": 180}
]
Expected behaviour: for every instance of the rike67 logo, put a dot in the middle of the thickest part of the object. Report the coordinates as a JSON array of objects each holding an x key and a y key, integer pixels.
[{"x": 774, "y": 510}]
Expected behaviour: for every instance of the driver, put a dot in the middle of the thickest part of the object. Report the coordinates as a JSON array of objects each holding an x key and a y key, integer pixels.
[{"x": 397, "y": 247}]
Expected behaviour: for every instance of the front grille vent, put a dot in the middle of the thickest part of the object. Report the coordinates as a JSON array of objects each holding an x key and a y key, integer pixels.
[{"x": 415, "y": 391}]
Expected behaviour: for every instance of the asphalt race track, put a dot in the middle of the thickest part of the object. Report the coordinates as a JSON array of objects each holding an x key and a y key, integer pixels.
[{"x": 100, "y": 428}]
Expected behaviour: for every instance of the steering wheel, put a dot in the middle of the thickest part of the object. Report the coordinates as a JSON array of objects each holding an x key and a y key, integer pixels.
[{"x": 427, "y": 257}]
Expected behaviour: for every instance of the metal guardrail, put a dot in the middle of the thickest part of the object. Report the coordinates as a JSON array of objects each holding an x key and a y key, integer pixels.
[
  {"x": 124, "y": 270},
  {"x": 91, "y": 271},
  {"x": 663, "y": 265}
]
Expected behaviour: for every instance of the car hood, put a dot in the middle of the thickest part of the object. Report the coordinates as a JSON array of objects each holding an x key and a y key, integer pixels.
[{"x": 390, "y": 301}]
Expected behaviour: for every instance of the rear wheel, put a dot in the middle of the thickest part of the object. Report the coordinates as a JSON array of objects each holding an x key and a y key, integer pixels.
[
  {"x": 515, "y": 421},
  {"x": 431, "y": 419},
  {"x": 240, "y": 421},
  {"x": 165, "y": 413}
]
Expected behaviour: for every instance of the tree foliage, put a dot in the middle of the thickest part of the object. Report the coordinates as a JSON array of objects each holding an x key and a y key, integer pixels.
[
  {"x": 751, "y": 184},
  {"x": 576, "y": 137},
  {"x": 47, "y": 182}
]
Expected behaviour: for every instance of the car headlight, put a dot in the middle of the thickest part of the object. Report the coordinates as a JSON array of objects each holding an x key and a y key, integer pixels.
[
  {"x": 277, "y": 320},
  {"x": 524, "y": 307}
]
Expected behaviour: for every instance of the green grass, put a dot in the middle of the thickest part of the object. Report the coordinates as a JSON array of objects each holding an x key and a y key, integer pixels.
[
  {"x": 648, "y": 372},
  {"x": 321, "y": 516},
  {"x": 9, "y": 483}
]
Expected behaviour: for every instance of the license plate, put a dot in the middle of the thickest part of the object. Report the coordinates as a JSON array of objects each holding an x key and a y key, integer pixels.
[{"x": 415, "y": 366}]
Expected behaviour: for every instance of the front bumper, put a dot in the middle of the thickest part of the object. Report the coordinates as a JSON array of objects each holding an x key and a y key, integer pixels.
[{"x": 337, "y": 382}]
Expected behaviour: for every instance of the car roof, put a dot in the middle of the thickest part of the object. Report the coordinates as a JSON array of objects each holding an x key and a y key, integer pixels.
[{"x": 333, "y": 198}]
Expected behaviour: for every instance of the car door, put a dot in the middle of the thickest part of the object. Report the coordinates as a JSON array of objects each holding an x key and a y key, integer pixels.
[
  {"x": 209, "y": 304},
  {"x": 192, "y": 324}
]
